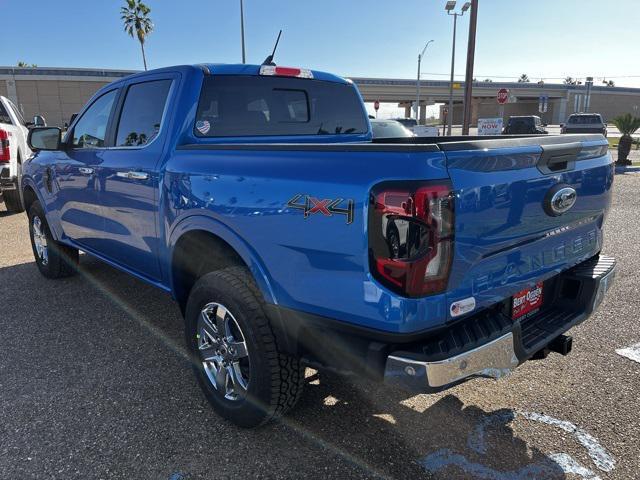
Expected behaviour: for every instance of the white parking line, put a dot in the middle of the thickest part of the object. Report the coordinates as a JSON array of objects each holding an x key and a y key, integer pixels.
[
  {"x": 632, "y": 352},
  {"x": 603, "y": 460}
]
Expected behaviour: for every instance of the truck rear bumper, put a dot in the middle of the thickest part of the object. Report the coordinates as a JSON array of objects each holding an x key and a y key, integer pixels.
[
  {"x": 7, "y": 182},
  {"x": 495, "y": 359},
  {"x": 498, "y": 357}
]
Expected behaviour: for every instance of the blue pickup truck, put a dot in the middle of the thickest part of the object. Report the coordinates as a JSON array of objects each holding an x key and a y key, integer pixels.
[{"x": 257, "y": 198}]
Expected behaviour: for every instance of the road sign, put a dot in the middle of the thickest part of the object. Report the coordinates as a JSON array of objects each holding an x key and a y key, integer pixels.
[
  {"x": 543, "y": 103},
  {"x": 489, "y": 126},
  {"x": 503, "y": 96},
  {"x": 376, "y": 105}
]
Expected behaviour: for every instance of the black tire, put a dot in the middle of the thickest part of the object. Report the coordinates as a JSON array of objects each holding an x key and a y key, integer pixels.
[
  {"x": 275, "y": 379},
  {"x": 61, "y": 260},
  {"x": 12, "y": 201}
]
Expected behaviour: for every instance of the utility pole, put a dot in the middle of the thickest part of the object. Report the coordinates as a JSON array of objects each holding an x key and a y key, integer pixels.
[
  {"x": 420, "y": 55},
  {"x": 587, "y": 97},
  {"x": 449, "y": 7},
  {"x": 244, "y": 57},
  {"x": 468, "y": 81},
  {"x": 453, "y": 60}
]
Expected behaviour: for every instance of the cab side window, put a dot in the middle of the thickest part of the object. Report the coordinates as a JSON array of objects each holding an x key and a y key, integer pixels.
[
  {"x": 91, "y": 129},
  {"x": 142, "y": 113}
]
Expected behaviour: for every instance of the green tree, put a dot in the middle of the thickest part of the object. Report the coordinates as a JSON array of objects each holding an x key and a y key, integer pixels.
[
  {"x": 524, "y": 78},
  {"x": 137, "y": 23},
  {"x": 627, "y": 124},
  {"x": 570, "y": 81},
  {"x": 25, "y": 64},
  {"x": 609, "y": 83}
]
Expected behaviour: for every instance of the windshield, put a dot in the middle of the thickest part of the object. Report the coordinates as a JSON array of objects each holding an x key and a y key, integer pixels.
[
  {"x": 238, "y": 106},
  {"x": 585, "y": 119},
  {"x": 389, "y": 129}
]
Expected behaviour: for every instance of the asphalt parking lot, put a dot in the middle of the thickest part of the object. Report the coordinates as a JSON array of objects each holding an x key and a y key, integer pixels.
[{"x": 94, "y": 384}]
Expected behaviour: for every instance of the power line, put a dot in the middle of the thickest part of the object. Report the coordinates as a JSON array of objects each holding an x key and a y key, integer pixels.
[{"x": 535, "y": 76}]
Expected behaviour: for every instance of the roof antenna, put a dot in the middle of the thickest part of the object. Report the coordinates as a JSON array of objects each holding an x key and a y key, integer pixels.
[{"x": 269, "y": 59}]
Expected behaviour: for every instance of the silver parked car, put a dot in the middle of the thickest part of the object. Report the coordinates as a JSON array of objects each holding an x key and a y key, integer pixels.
[
  {"x": 389, "y": 129},
  {"x": 584, "y": 123}
]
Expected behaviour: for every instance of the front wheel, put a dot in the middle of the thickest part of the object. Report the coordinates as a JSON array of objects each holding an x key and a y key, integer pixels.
[
  {"x": 235, "y": 357},
  {"x": 54, "y": 260}
]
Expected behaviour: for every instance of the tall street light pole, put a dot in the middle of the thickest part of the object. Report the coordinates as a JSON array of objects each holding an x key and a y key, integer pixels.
[
  {"x": 420, "y": 55},
  {"x": 468, "y": 82},
  {"x": 449, "y": 7},
  {"x": 244, "y": 57}
]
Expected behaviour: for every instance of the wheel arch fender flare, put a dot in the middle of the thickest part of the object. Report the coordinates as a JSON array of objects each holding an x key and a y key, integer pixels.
[{"x": 219, "y": 229}]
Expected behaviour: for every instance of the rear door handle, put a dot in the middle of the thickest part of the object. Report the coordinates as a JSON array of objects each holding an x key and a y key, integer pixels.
[
  {"x": 86, "y": 170},
  {"x": 133, "y": 175}
]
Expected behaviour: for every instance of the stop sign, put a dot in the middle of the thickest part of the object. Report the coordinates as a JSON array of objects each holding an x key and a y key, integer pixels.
[
  {"x": 376, "y": 105},
  {"x": 503, "y": 96}
]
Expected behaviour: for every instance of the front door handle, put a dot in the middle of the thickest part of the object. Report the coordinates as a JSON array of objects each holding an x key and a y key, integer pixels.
[
  {"x": 86, "y": 170},
  {"x": 133, "y": 175}
]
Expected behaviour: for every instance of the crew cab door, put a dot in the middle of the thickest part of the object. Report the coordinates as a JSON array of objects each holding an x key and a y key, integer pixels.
[
  {"x": 75, "y": 174},
  {"x": 129, "y": 176}
]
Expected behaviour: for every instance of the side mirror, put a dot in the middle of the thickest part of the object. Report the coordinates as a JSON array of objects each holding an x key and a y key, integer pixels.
[
  {"x": 562, "y": 125},
  {"x": 44, "y": 138},
  {"x": 39, "y": 121}
]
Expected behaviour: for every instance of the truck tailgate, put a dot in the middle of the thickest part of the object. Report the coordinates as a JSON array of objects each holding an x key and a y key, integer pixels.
[{"x": 508, "y": 237}]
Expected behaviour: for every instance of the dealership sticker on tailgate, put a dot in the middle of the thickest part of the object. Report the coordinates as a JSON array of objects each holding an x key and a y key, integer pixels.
[{"x": 527, "y": 302}]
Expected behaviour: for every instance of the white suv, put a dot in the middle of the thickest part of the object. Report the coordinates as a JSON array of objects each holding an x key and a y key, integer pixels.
[{"x": 13, "y": 151}]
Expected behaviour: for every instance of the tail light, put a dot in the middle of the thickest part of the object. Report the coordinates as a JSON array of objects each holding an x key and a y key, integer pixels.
[
  {"x": 5, "y": 153},
  {"x": 411, "y": 228}
]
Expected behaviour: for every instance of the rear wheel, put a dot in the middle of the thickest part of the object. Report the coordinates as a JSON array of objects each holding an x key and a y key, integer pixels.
[
  {"x": 235, "y": 357},
  {"x": 54, "y": 259}
]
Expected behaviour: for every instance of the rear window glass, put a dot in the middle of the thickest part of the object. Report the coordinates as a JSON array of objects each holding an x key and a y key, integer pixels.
[
  {"x": 389, "y": 129},
  {"x": 240, "y": 106},
  {"x": 17, "y": 112},
  {"x": 521, "y": 121},
  {"x": 142, "y": 113},
  {"x": 585, "y": 119}
]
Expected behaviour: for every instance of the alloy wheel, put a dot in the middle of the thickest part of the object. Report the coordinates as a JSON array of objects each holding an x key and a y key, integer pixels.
[{"x": 223, "y": 351}]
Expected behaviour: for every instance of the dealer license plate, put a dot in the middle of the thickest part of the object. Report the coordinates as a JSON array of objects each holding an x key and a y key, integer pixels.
[{"x": 526, "y": 302}]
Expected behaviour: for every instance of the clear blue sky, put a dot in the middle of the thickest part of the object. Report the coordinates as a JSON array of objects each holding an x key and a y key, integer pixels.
[{"x": 381, "y": 38}]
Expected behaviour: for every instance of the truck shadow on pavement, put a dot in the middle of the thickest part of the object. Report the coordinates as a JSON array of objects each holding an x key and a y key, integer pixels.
[
  {"x": 101, "y": 374},
  {"x": 445, "y": 440}
]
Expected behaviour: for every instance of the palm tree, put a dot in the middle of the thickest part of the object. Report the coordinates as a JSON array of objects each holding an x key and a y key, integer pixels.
[
  {"x": 609, "y": 83},
  {"x": 135, "y": 16},
  {"x": 627, "y": 124},
  {"x": 524, "y": 78},
  {"x": 570, "y": 81}
]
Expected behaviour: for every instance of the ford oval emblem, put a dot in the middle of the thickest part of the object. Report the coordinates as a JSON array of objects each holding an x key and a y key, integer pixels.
[{"x": 560, "y": 199}]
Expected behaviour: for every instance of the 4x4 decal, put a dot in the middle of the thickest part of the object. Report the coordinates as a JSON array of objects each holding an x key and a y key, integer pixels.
[{"x": 328, "y": 207}]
